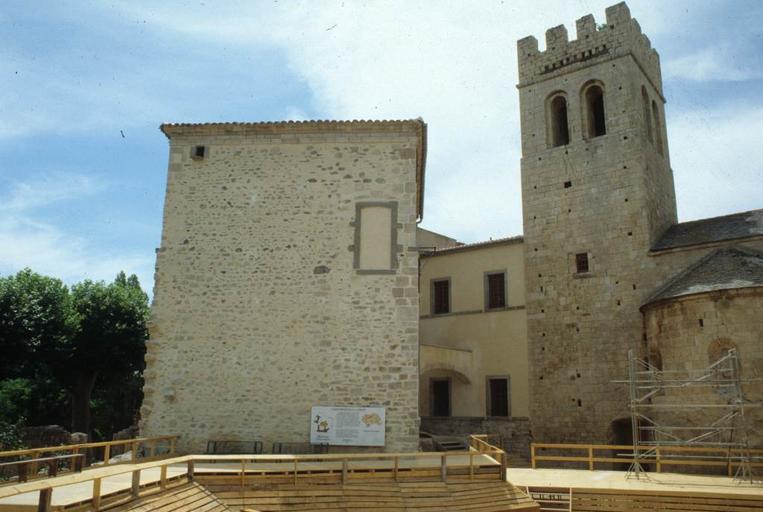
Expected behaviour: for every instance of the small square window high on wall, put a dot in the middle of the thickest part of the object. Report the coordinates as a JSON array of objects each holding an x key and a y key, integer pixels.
[{"x": 581, "y": 263}]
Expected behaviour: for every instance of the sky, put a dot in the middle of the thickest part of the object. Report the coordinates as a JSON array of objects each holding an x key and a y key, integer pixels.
[{"x": 84, "y": 86}]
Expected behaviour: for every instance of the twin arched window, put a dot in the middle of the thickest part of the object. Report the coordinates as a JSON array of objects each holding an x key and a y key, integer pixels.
[
  {"x": 594, "y": 118},
  {"x": 593, "y": 115},
  {"x": 652, "y": 120},
  {"x": 559, "y": 132}
]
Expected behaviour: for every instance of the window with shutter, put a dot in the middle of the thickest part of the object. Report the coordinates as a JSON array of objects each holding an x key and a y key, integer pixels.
[
  {"x": 440, "y": 296},
  {"x": 495, "y": 292}
]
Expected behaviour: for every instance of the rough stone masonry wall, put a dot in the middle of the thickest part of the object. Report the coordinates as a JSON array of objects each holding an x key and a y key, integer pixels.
[
  {"x": 258, "y": 314},
  {"x": 690, "y": 333},
  {"x": 513, "y": 433},
  {"x": 610, "y": 197}
]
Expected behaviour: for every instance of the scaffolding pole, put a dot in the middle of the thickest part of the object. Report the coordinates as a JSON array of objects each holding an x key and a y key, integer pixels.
[{"x": 652, "y": 392}]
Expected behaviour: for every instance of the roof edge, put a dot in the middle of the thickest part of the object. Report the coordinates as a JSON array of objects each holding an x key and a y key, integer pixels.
[
  {"x": 474, "y": 246},
  {"x": 655, "y": 298}
]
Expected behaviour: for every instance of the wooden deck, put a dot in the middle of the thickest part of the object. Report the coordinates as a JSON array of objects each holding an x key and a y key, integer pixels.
[
  {"x": 481, "y": 496},
  {"x": 107, "y": 487},
  {"x": 593, "y": 491},
  {"x": 188, "y": 497}
]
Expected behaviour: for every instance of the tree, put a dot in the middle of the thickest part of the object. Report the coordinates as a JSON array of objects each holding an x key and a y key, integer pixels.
[
  {"x": 35, "y": 317},
  {"x": 109, "y": 341},
  {"x": 57, "y": 343}
]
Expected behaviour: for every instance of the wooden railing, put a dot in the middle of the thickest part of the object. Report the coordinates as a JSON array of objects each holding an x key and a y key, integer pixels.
[
  {"x": 482, "y": 460},
  {"x": 659, "y": 457},
  {"x": 142, "y": 448}
]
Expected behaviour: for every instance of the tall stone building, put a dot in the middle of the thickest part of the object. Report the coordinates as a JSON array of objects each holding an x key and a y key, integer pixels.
[
  {"x": 600, "y": 228},
  {"x": 287, "y": 278},
  {"x": 289, "y": 273}
]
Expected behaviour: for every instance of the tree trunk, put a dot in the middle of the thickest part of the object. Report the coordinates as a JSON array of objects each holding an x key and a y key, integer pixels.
[{"x": 83, "y": 388}]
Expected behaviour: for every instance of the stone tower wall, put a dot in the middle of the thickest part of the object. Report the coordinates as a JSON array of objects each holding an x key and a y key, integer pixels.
[
  {"x": 609, "y": 196},
  {"x": 258, "y": 313}
]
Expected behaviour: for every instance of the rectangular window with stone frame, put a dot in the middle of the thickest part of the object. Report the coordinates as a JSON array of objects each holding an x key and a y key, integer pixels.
[
  {"x": 496, "y": 286},
  {"x": 582, "y": 265},
  {"x": 498, "y": 395},
  {"x": 440, "y": 296}
]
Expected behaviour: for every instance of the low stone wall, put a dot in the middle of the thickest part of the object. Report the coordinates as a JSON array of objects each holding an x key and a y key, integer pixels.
[{"x": 513, "y": 432}]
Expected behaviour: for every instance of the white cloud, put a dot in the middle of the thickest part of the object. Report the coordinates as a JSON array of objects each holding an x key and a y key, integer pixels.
[
  {"x": 28, "y": 240},
  {"x": 45, "y": 189},
  {"x": 712, "y": 64},
  {"x": 451, "y": 63},
  {"x": 716, "y": 154}
]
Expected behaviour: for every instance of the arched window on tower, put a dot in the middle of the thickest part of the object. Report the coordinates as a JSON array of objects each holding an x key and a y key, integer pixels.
[
  {"x": 657, "y": 126},
  {"x": 594, "y": 116},
  {"x": 559, "y": 131},
  {"x": 647, "y": 114}
]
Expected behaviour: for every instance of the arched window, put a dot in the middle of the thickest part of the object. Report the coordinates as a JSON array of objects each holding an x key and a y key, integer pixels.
[
  {"x": 594, "y": 116},
  {"x": 559, "y": 132},
  {"x": 647, "y": 114},
  {"x": 657, "y": 126}
]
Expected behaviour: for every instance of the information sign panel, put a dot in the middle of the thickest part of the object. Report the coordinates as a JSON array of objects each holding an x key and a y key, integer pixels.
[{"x": 347, "y": 426}]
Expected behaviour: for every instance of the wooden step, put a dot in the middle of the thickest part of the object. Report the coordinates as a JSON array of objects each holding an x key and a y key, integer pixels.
[{"x": 378, "y": 496}]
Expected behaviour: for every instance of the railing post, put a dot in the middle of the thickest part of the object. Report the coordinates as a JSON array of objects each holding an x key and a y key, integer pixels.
[
  {"x": 532, "y": 455},
  {"x": 344, "y": 471},
  {"x": 34, "y": 468},
  {"x": 106, "y": 454},
  {"x": 590, "y": 458},
  {"x": 659, "y": 460},
  {"x": 74, "y": 460},
  {"x": 135, "y": 489},
  {"x": 295, "y": 471},
  {"x": 504, "y": 466},
  {"x": 25, "y": 468},
  {"x": 397, "y": 467},
  {"x": 43, "y": 505},
  {"x": 134, "y": 446},
  {"x": 163, "y": 477},
  {"x": 444, "y": 467},
  {"x": 96, "y": 493},
  {"x": 471, "y": 465},
  {"x": 190, "y": 470},
  {"x": 152, "y": 448}
]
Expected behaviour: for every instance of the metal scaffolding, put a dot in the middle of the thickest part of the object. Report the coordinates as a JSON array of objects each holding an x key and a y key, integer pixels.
[{"x": 658, "y": 398}]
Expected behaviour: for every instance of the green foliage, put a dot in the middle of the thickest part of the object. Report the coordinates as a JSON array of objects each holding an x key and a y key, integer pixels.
[
  {"x": 35, "y": 318},
  {"x": 61, "y": 346},
  {"x": 15, "y": 398},
  {"x": 10, "y": 435}
]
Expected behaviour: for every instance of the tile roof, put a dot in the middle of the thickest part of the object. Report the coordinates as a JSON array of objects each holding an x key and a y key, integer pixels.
[
  {"x": 716, "y": 229},
  {"x": 476, "y": 245},
  {"x": 727, "y": 268}
]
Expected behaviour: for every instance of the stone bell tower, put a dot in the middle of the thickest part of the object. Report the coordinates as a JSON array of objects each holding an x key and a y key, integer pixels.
[{"x": 597, "y": 191}]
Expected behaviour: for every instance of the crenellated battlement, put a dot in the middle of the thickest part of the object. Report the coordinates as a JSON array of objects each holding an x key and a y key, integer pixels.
[{"x": 619, "y": 37}]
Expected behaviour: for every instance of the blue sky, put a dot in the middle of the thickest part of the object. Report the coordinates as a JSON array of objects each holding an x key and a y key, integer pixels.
[{"x": 85, "y": 85}]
